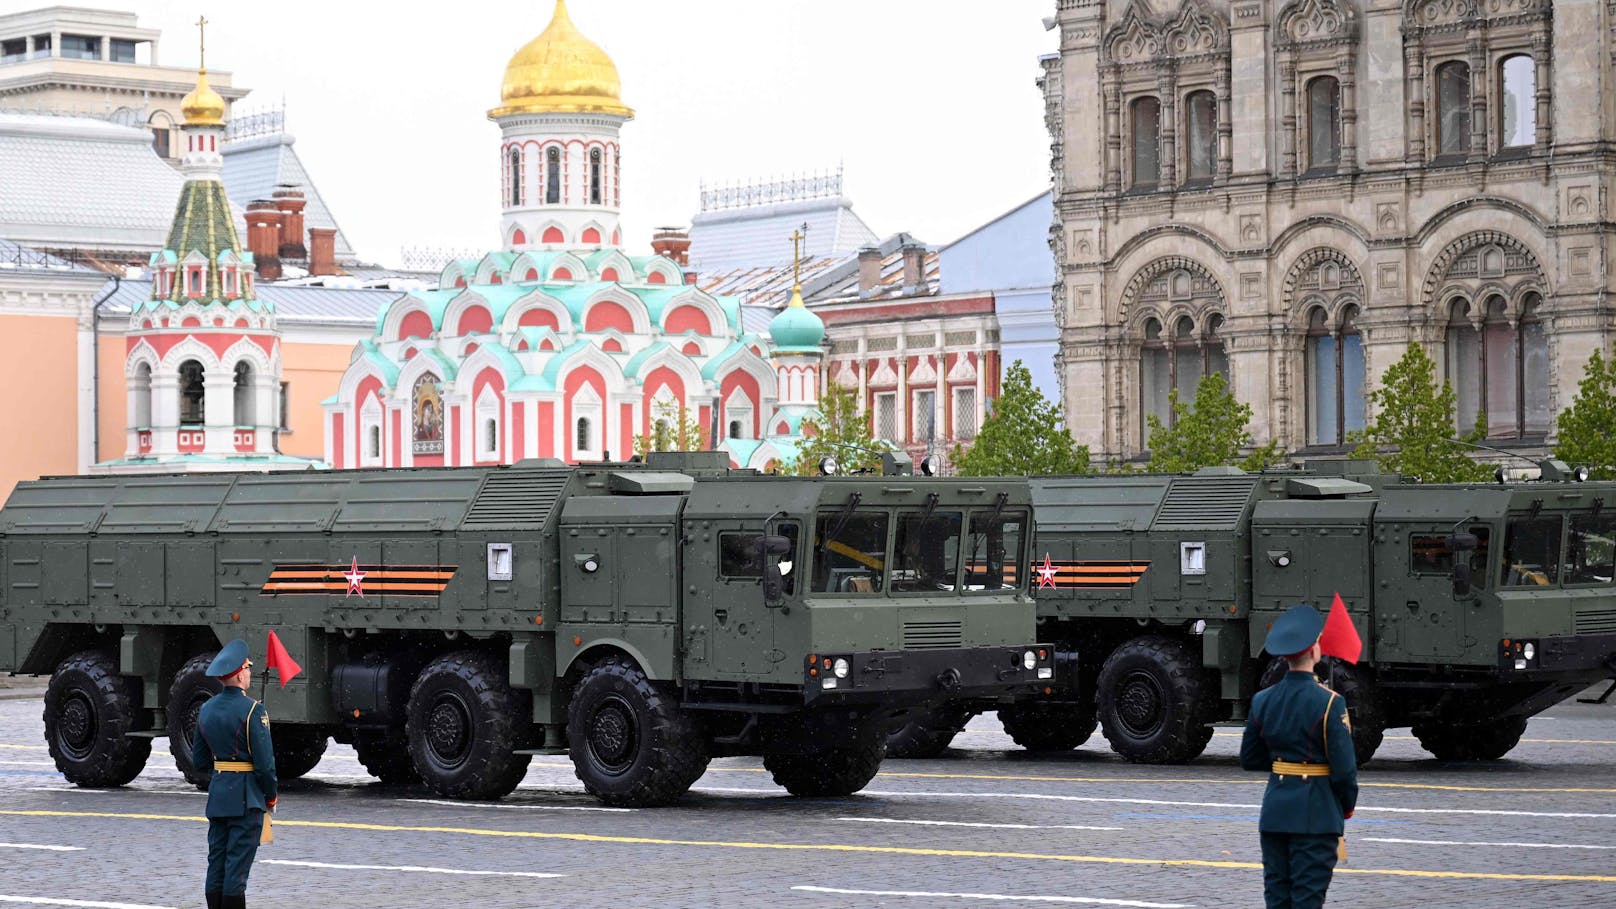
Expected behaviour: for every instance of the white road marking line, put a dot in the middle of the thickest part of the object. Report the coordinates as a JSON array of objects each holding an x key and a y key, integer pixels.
[
  {"x": 455, "y": 804},
  {"x": 1378, "y": 839},
  {"x": 893, "y": 820},
  {"x": 38, "y": 846},
  {"x": 29, "y": 763},
  {"x": 82, "y": 904},
  {"x": 113, "y": 791},
  {"x": 1046, "y": 797},
  {"x": 26, "y": 747},
  {"x": 421, "y": 868},
  {"x": 1000, "y": 897}
]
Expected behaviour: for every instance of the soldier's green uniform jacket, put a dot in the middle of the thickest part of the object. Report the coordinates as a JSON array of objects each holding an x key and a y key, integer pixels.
[
  {"x": 233, "y": 727},
  {"x": 1301, "y": 721}
]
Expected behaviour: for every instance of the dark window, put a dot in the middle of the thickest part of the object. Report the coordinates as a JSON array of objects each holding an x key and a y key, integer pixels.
[
  {"x": 1178, "y": 362},
  {"x": 122, "y": 51},
  {"x": 285, "y": 402},
  {"x": 245, "y": 414},
  {"x": 594, "y": 176},
  {"x": 1453, "y": 109},
  {"x": 552, "y": 176},
  {"x": 926, "y": 557},
  {"x": 375, "y": 441},
  {"x": 1501, "y": 371},
  {"x": 13, "y": 50},
  {"x": 850, "y": 552},
  {"x": 192, "y": 392},
  {"x": 1532, "y": 552},
  {"x": 995, "y": 555},
  {"x": 81, "y": 47},
  {"x": 585, "y": 437},
  {"x": 1323, "y": 123},
  {"x": 1517, "y": 83},
  {"x": 1201, "y": 134},
  {"x": 740, "y": 555},
  {"x": 160, "y": 141},
  {"x": 1591, "y": 549},
  {"x": 735, "y": 429},
  {"x": 516, "y": 176},
  {"x": 491, "y": 436},
  {"x": 1146, "y": 119},
  {"x": 1335, "y": 365}
]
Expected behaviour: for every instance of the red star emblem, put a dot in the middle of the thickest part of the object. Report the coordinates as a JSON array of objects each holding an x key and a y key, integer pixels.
[
  {"x": 1046, "y": 573},
  {"x": 356, "y": 580}
]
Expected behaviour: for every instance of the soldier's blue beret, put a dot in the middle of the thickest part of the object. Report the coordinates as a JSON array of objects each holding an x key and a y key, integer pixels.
[
  {"x": 1295, "y": 631},
  {"x": 231, "y": 658}
]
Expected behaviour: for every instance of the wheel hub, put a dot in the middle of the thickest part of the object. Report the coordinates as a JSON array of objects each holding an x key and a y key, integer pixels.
[
  {"x": 1140, "y": 704},
  {"x": 76, "y": 729},
  {"x": 449, "y": 730},
  {"x": 612, "y": 738}
]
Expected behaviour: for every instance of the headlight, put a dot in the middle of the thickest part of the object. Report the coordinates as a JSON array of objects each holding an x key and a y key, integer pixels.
[
  {"x": 841, "y": 667},
  {"x": 1529, "y": 651},
  {"x": 1029, "y": 660},
  {"x": 828, "y": 466}
]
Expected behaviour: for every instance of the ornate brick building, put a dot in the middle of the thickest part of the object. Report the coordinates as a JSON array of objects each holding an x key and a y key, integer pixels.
[{"x": 1292, "y": 192}]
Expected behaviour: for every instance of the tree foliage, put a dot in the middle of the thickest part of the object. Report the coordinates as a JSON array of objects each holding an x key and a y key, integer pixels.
[
  {"x": 840, "y": 432},
  {"x": 1208, "y": 432},
  {"x": 1022, "y": 436},
  {"x": 1587, "y": 428},
  {"x": 674, "y": 428},
  {"x": 1413, "y": 430}
]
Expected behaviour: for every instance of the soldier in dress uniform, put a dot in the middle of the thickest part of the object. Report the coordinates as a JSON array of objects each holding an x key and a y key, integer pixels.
[
  {"x": 1298, "y": 733},
  {"x": 232, "y": 741}
]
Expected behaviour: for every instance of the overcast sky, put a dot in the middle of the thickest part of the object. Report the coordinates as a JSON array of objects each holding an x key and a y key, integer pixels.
[{"x": 929, "y": 105}]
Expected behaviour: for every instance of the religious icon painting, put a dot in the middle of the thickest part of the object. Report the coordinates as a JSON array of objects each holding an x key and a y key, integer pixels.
[{"x": 427, "y": 410}]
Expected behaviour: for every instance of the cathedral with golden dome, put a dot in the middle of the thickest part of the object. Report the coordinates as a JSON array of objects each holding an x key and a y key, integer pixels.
[{"x": 560, "y": 344}]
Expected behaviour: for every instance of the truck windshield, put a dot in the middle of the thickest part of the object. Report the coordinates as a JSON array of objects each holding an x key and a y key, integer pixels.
[
  {"x": 1532, "y": 552},
  {"x": 850, "y": 550},
  {"x": 1591, "y": 549},
  {"x": 926, "y": 557},
  {"x": 997, "y": 553}
]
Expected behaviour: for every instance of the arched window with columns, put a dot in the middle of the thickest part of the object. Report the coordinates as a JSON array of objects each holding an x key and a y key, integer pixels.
[
  {"x": 516, "y": 176},
  {"x": 193, "y": 393},
  {"x": 1316, "y": 47},
  {"x": 244, "y": 395},
  {"x": 552, "y": 176},
  {"x": 1482, "y": 76},
  {"x": 1177, "y": 358},
  {"x": 1323, "y": 125},
  {"x": 1200, "y": 136},
  {"x": 1144, "y": 169},
  {"x": 1335, "y": 375}
]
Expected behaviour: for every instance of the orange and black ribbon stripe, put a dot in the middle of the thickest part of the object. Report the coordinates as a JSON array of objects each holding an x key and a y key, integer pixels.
[
  {"x": 1097, "y": 574},
  {"x": 379, "y": 580}
]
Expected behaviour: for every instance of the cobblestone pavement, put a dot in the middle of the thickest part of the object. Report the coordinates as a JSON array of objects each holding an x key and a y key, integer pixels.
[{"x": 1537, "y": 829}]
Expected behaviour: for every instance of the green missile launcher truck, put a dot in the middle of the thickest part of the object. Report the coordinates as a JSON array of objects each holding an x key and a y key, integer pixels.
[
  {"x": 453, "y": 622},
  {"x": 1478, "y": 605}
]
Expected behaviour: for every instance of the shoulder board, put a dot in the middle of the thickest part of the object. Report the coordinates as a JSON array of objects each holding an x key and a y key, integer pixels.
[{"x": 1328, "y": 688}]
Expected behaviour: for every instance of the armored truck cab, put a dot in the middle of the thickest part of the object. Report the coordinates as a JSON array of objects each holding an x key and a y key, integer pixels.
[
  {"x": 453, "y": 622},
  {"x": 1478, "y": 605}
]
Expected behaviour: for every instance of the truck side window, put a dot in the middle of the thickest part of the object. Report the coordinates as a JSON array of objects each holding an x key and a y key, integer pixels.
[
  {"x": 1429, "y": 554},
  {"x": 995, "y": 553},
  {"x": 850, "y": 552},
  {"x": 1591, "y": 549},
  {"x": 740, "y": 555},
  {"x": 1532, "y": 552},
  {"x": 926, "y": 557}
]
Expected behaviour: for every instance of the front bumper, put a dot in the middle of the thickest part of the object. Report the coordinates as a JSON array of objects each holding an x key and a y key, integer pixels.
[
  {"x": 1593, "y": 654},
  {"x": 906, "y": 677}
]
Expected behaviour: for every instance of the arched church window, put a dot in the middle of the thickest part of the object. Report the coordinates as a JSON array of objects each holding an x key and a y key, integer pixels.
[
  {"x": 1517, "y": 83},
  {"x": 516, "y": 176},
  {"x": 192, "y": 392},
  {"x": 244, "y": 395},
  {"x": 1323, "y": 124},
  {"x": 141, "y": 387},
  {"x": 491, "y": 436},
  {"x": 193, "y": 282},
  {"x": 735, "y": 429},
  {"x": 594, "y": 176},
  {"x": 375, "y": 442},
  {"x": 552, "y": 176},
  {"x": 1201, "y": 134},
  {"x": 585, "y": 436},
  {"x": 1501, "y": 373},
  {"x": 1335, "y": 374},
  {"x": 1146, "y": 128},
  {"x": 1176, "y": 361},
  {"x": 1453, "y": 109}
]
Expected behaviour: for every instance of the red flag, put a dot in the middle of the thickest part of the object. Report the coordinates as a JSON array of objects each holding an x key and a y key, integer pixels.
[
  {"x": 279, "y": 660},
  {"x": 1340, "y": 638}
]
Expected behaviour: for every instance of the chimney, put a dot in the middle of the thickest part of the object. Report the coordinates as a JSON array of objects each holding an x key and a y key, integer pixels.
[
  {"x": 290, "y": 201},
  {"x": 690, "y": 276},
  {"x": 869, "y": 270},
  {"x": 914, "y": 267},
  {"x": 672, "y": 242},
  {"x": 322, "y": 250},
  {"x": 264, "y": 237}
]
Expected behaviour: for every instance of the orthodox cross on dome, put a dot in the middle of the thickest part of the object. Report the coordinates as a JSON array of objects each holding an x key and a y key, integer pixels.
[
  {"x": 799, "y": 239},
  {"x": 202, "y": 42}
]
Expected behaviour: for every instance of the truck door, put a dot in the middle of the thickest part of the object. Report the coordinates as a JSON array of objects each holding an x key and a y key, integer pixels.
[
  {"x": 1418, "y": 616},
  {"x": 724, "y": 580}
]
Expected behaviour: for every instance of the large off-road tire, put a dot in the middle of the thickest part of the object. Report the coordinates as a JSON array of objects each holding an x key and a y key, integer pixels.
[
  {"x": 1486, "y": 740},
  {"x": 464, "y": 724},
  {"x": 1364, "y": 709},
  {"x": 387, "y": 759},
  {"x": 928, "y": 734},
  {"x": 838, "y": 771},
  {"x": 297, "y": 749},
  {"x": 630, "y": 744},
  {"x": 89, "y": 712},
  {"x": 1156, "y": 702},
  {"x": 191, "y": 688},
  {"x": 1039, "y": 726}
]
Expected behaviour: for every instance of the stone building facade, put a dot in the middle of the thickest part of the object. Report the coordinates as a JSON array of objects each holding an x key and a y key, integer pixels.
[{"x": 1292, "y": 191}]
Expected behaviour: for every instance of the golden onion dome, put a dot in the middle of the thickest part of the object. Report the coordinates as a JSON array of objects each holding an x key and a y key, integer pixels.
[
  {"x": 561, "y": 71},
  {"x": 203, "y": 106}
]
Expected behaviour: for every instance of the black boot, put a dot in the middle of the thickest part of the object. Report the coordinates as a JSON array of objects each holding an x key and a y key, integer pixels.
[
  {"x": 235, "y": 901},
  {"x": 215, "y": 899}
]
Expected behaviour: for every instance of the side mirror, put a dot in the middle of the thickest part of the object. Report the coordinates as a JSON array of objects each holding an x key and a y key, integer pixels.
[
  {"x": 771, "y": 547},
  {"x": 1461, "y": 579},
  {"x": 1462, "y": 545}
]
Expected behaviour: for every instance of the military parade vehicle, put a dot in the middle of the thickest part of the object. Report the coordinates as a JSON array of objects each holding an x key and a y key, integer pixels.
[
  {"x": 453, "y": 622},
  {"x": 1478, "y": 605}
]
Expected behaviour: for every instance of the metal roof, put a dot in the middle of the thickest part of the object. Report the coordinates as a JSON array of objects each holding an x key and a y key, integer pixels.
[
  {"x": 293, "y": 303},
  {"x": 16, "y": 257},
  {"x": 254, "y": 168},
  {"x": 761, "y": 234}
]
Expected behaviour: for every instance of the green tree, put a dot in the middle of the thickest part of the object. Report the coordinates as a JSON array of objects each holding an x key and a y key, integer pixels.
[
  {"x": 1022, "y": 436},
  {"x": 1413, "y": 430},
  {"x": 1588, "y": 427},
  {"x": 1208, "y": 432},
  {"x": 841, "y": 432},
  {"x": 674, "y": 429}
]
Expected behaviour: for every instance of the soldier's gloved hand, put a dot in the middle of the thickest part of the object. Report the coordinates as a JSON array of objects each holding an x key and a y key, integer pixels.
[
  {"x": 1348, "y": 814},
  {"x": 271, "y": 804}
]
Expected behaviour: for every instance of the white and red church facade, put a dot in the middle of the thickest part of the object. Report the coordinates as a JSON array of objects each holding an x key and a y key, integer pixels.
[{"x": 560, "y": 345}]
